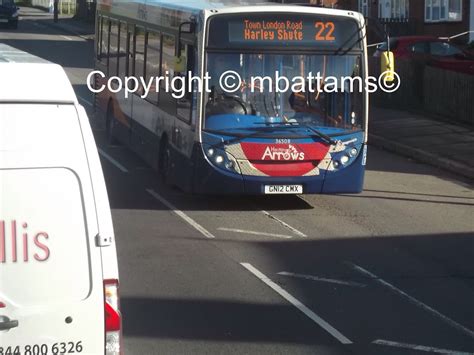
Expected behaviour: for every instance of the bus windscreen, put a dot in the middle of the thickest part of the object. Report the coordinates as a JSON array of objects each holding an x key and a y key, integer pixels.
[{"x": 284, "y": 30}]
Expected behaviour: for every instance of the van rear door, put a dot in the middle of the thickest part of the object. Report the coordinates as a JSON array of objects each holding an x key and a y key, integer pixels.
[{"x": 51, "y": 284}]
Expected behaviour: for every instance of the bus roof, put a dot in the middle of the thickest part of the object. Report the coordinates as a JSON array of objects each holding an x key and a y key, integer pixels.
[{"x": 27, "y": 78}]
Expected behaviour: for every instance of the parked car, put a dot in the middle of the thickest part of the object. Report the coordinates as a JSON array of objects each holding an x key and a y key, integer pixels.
[
  {"x": 9, "y": 13},
  {"x": 433, "y": 51}
]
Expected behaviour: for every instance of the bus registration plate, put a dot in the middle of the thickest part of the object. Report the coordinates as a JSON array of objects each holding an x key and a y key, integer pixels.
[{"x": 283, "y": 189}]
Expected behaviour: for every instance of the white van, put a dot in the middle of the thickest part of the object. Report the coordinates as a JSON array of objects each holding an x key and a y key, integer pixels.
[{"x": 58, "y": 262}]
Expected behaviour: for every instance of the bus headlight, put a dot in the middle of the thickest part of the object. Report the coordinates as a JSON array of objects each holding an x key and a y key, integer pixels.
[
  {"x": 222, "y": 159},
  {"x": 344, "y": 159}
]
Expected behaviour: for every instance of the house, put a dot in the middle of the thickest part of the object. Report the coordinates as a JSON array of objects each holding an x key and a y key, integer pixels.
[
  {"x": 441, "y": 18},
  {"x": 419, "y": 17}
]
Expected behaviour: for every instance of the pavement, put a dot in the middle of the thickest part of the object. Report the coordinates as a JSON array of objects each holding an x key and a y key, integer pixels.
[
  {"x": 446, "y": 145},
  {"x": 442, "y": 144},
  {"x": 384, "y": 272}
]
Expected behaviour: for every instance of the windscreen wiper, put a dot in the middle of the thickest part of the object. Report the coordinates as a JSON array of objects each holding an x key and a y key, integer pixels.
[
  {"x": 238, "y": 136},
  {"x": 316, "y": 132}
]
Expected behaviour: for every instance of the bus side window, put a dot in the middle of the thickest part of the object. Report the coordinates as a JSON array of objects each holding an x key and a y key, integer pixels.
[
  {"x": 185, "y": 104},
  {"x": 139, "y": 56},
  {"x": 123, "y": 54},
  {"x": 153, "y": 60},
  {"x": 131, "y": 51},
  {"x": 113, "y": 47},
  {"x": 98, "y": 44},
  {"x": 104, "y": 47},
  {"x": 167, "y": 102}
]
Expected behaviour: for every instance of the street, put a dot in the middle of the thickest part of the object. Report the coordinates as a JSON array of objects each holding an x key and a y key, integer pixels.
[{"x": 388, "y": 271}]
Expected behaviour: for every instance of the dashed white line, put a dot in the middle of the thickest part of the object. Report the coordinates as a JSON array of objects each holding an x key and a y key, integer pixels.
[
  {"x": 283, "y": 223},
  {"x": 181, "y": 214},
  {"x": 243, "y": 231},
  {"x": 113, "y": 161},
  {"x": 413, "y": 300},
  {"x": 322, "y": 279},
  {"x": 309, "y": 313},
  {"x": 419, "y": 347}
]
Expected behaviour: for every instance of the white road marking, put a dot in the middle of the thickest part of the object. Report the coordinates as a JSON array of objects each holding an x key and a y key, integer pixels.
[
  {"x": 113, "y": 161},
  {"x": 309, "y": 313},
  {"x": 66, "y": 37},
  {"x": 419, "y": 347},
  {"x": 86, "y": 101},
  {"x": 286, "y": 225},
  {"x": 413, "y": 300},
  {"x": 254, "y": 232},
  {"x": 322, "y": 279},
  {"x": 181, "y": 214}
]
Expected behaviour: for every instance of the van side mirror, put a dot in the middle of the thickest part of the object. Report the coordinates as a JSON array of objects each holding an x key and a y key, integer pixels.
[{"x": 387, "y": 65}]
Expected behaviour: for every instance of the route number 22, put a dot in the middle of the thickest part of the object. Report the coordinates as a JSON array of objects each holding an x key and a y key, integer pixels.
[{"x": 325, "y": 31}]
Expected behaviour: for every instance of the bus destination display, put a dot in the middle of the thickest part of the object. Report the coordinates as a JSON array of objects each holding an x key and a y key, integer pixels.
[{"x": 283, "y": 30}]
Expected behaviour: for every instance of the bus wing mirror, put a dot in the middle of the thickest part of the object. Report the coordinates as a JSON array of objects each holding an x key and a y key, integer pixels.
[
  {"x": 387, "y": 66},
  {"x": 185, "y": 27}
]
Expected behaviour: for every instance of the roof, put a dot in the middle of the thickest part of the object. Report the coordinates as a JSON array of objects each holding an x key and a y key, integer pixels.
[{"x": 27, "y": 78}]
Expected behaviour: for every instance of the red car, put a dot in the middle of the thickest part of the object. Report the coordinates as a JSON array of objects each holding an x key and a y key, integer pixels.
[{"x": 434, "y": 51}]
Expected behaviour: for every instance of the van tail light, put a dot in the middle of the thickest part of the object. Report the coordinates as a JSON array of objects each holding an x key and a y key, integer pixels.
[{"x": 113, "y": 319}]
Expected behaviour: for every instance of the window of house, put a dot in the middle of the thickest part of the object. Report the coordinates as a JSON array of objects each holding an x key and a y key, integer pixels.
[
  {"x": 443, "y": 10},
  {"x": 394, "y": 9},
  {"x": 364, "y": 7}
]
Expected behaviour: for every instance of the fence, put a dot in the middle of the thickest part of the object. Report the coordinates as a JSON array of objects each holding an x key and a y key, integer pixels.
[{"x": 432, "y": 90}]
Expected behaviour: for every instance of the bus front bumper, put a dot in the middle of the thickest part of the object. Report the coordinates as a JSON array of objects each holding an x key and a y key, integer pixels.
[{"x": 212, "y": 180}]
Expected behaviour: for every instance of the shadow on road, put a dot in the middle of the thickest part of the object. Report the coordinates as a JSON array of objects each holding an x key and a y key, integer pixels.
[{"x": 363, "y": 314}]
